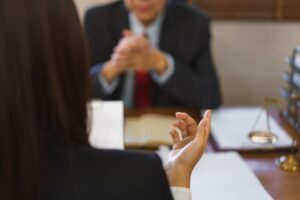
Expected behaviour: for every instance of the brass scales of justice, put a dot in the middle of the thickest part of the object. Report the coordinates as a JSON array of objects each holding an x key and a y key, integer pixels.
[
  {"x": 287, "y": 163},
  {"x": 263, "y": 136}
]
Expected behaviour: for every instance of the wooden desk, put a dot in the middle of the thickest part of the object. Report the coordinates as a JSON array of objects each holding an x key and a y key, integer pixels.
[{"x": 280, "y": 184}]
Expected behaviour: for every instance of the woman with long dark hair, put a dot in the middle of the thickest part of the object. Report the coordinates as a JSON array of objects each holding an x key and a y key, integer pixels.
[{"x": 44, "y": 150}]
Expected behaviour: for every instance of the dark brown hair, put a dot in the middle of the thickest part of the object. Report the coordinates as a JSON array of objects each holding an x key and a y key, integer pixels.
[{"x": 43, "y": 88}]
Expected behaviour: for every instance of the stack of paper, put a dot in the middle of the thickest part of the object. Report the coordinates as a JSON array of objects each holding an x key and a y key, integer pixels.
[
  {"x": 107, "y": 122},
  {"x": 225, "y": 176},
  {"x": 231, "y": 127}
]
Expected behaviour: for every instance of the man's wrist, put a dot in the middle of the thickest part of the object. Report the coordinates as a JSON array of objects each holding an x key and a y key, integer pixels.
[
  {"x": 109, "y": 71},
  {"x": 160, "y": 63}
]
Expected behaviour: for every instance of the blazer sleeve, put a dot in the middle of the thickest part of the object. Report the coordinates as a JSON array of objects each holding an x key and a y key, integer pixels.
[
  {"x": 196, "y": 84},
  {"x": 101, "y": 40},
  {"x": 160, "y": 186}
]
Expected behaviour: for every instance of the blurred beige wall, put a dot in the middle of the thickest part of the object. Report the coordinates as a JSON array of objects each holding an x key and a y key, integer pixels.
[
  {"x": 82, "y": 5},
  {"x": 248, "y": 56}
]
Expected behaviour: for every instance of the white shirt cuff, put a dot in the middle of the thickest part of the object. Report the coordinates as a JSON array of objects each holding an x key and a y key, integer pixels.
[
  {"x": 164, "y": 77},
  {"x": 181, "y": 193},
  {"x": 108, "y": 87}
]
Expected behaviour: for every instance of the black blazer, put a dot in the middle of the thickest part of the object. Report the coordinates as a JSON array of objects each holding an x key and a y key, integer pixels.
[
  {"x": 184, "y": 34},
  {"x": 104, "y": 174}
]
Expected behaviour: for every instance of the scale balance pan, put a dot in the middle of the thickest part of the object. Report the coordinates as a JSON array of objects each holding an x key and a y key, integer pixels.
[{"x": 262, "y": 137}]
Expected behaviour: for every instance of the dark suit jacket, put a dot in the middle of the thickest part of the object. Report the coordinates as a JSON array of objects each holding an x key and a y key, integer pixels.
[
  {"x": 93, "y": 174},
  {"x": 184, "y": 34}
]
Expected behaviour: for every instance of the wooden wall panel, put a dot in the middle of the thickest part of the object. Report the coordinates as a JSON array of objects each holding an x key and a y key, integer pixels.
[
  {"x": 251, "y": 9},
  {"x": 290, "y": 9}
]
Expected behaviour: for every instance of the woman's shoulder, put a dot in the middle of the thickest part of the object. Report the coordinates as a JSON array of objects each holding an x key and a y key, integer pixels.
[
  {"x": 85, "y": 152},
  {"x": 142, "y": 165},
  {"x": 109, "y": 174}
]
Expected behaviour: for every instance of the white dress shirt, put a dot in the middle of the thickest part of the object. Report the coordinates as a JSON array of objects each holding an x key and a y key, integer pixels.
[{"x": 181, "y": 193}]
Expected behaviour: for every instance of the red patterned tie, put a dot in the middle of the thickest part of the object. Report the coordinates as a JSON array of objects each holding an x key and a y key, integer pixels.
[{"x": 142, "y": 87}]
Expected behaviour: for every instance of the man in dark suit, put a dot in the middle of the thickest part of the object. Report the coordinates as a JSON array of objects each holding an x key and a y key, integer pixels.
[{"x": 149, "y": 52}]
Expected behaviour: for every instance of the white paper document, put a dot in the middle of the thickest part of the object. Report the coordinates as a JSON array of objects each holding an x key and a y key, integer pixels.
[
  {"x": 231, "y": 127},
  {"x": 225, "y": 176},
  {"x": 107, "y": 124}
]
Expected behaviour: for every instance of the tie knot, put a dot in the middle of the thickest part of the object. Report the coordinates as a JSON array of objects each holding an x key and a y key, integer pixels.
[{"x": 145, "y": 34}]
